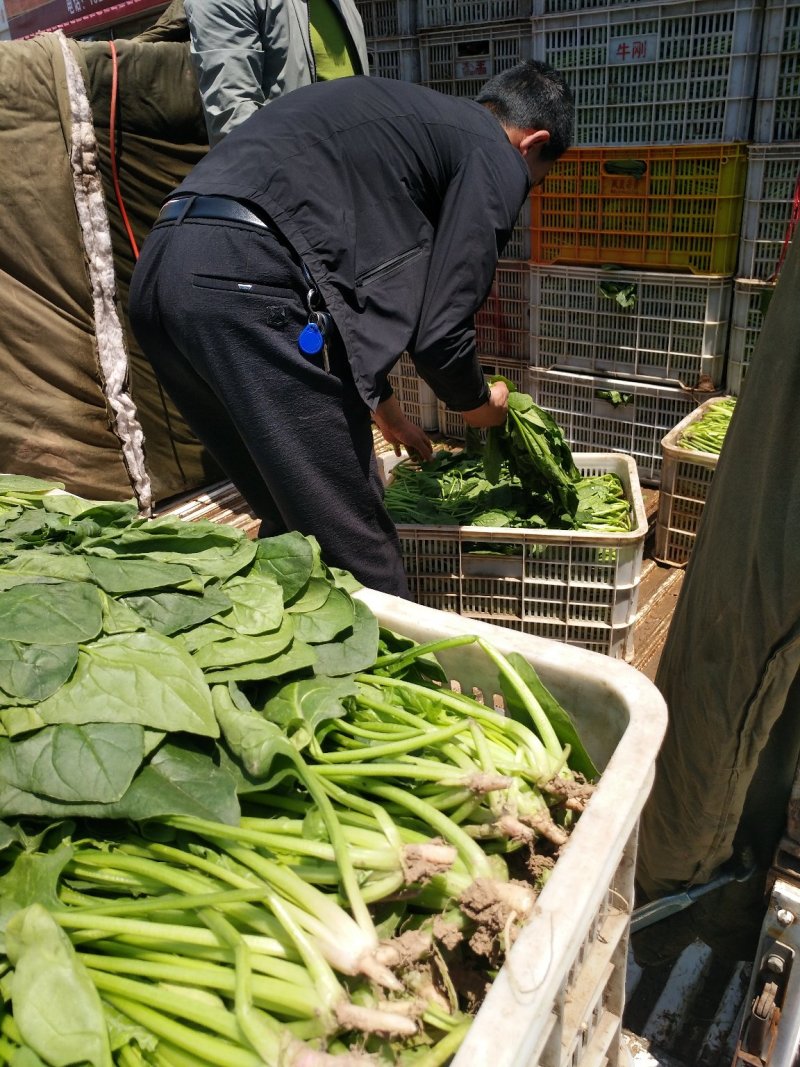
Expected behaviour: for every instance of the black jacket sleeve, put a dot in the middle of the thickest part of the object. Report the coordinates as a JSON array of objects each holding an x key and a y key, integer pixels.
[{"x": 478, "y": 213}]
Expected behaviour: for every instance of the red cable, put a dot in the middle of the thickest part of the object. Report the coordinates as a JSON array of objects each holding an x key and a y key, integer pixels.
[
  {"x": 790, "y": 228},
  {"x": 112, "y": 125}
]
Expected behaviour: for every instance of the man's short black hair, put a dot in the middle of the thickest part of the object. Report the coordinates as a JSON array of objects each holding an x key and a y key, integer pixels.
[{"x": 534, "y": 96}]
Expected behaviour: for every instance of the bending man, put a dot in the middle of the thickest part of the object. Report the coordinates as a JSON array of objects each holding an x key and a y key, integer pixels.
[{"x": 347, "y": 222}]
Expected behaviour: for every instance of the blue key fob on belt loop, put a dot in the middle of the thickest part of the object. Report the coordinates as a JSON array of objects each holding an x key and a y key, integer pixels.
[{"x": 311, "y": 340}]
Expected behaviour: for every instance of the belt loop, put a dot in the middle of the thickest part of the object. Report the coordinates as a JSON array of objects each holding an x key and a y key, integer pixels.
[{"x": 187, "y": 203}]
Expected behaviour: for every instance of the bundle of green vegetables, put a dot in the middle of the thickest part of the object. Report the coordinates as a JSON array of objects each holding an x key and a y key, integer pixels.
[
  {"x": 521, "y": 475},
  {"x": 242, "y": 824},
  {"x": 707, "y": 434}
]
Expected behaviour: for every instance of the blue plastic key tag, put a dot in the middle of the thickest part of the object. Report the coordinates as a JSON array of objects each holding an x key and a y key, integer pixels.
[{"x": 311, "y": 339}]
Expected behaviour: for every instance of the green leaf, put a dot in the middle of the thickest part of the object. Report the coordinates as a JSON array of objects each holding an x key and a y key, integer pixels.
[
  {"x": 300, "y": 707},
  {"x": 562, "y": 724},
  {"x": 257, "y": 604},
  {"x": 20, "y": 720},
  {"x": 356, "y": 652},
  {"x": 136, "y": 575},
  {"x": 34, "y": 672},
  {"x": 493, "y": 455},
  {"x": 136, "y": 678},
  {"x": 94, "y": 763},
  {"x": 288, "y": 558},
  {"x": 179, "y": 781},
  {"x": 333, "y": 617},
  {"x": 25, "y": 485},
  {"x": 245, "y": 649},
  {"x": 170, "y": 613},
  {"x": 54, "y": 1001},
  {"x": 49, "y": 565},
  {"x": 211, "y": 549},
  {"x": 262, "y": 747},
  {"x": 65, "y": 613},
  {"x": 298, "y": 657},
  {"x": 33, "y": 879},
  {"x": 176, "y": 781},
  {"x": 120, "y": 618},
  {"x": 312, "y": 597}
]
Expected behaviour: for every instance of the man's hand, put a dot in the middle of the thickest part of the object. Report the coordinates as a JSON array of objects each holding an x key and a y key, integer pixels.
[
  {"x": 494, "y": 412},
  {"x": 398, "y": 430}
]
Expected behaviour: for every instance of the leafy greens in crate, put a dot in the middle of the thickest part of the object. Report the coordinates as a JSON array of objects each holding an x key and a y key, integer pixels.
[{"x": 521, "y": 476}]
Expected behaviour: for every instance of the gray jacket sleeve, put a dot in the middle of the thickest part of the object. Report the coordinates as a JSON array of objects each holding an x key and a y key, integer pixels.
[
  {"x": 248, "y": 52},
  {"x": 227, "y": 49}
]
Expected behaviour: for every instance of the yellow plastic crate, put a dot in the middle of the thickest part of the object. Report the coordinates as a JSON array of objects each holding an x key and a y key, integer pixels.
[{"x": 680, "y": 207}]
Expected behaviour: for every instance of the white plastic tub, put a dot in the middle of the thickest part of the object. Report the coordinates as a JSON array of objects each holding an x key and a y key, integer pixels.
[{"x": 558, "y": 999}]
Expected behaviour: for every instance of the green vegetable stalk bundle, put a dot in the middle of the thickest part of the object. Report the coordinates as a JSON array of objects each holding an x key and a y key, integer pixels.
[
  {"x": 707, "y": 434},
  {"x": 241, "y": 823}
]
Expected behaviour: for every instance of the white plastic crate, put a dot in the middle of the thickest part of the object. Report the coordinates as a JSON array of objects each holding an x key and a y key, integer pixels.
[
  {"x": 460, "y": 61},
  {"x": 451, "y": 423},
  {"x": 612, "y": 415},
  {"x": 750, "y": 302},
  {"x": 388, "y": 18},
  {"x": 396, "y": 57},
  {"x": 519, "y": 243},
  {"x": 686, "y": 476},
  {"x": 576, "y": 586},
  {"x": 502, "y": 326},
  {"x": 657, "y": 73},
  {"x": 434, "y": 13},
  {"x": 773, "y": 182},
  {"x": 558, "y": 999},
  {"x": 415, "y": 396},
  {"x": 561, "y": 7},
  {"x": 675, "y": 331},
  {"x": 777, "y": 110}
]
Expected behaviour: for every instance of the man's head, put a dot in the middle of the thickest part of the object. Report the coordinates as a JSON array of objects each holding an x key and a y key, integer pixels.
[{"x": 535, "y": 106}]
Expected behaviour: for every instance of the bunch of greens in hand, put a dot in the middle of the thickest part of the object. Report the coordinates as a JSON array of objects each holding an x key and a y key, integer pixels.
[{"x": 534, "y": 447}]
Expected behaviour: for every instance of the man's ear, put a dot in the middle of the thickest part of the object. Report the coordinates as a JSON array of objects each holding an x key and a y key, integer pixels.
[{"x": 532, "y": 141}]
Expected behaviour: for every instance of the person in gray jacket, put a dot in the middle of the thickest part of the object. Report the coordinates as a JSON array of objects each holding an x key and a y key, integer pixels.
[{"x": 247, "y": 54}]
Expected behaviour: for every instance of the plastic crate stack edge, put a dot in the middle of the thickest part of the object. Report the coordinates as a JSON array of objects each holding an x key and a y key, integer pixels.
[
  {"x": 686, "y": 477},
  {"x": 655, "y": 72}
]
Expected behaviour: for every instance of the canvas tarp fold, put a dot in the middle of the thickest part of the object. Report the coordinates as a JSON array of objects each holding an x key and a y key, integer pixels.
[
  {"x": 66, "y": 261},
  {"x": 729, "y": 669}
]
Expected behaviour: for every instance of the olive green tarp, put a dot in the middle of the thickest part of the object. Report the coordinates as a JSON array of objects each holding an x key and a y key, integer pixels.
[
  {"x": 729, "y": 669},
  {"x": 78, "y": 402}
]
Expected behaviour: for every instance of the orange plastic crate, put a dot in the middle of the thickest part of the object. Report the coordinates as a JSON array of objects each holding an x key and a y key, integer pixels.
[{"x": 680, "y": 209}]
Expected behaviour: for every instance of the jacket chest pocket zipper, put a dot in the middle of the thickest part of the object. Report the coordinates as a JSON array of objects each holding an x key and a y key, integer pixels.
[{"x": 389, "y": 265}]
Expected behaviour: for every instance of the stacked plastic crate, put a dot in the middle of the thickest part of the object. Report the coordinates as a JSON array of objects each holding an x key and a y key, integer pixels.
[
  {"x": 771, "y": 206},
  {"x": 462, "y": 44},
  {"x": 390, "y": 27},
  {"x": 635, "y": 233},
  {"x": 772, "y": 194}
]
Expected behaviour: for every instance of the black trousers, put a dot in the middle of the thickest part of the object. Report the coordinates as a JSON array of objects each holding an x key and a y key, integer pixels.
[{"x": 217, "y": 307}]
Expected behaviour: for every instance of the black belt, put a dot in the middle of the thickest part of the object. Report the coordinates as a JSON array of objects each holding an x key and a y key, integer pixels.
[{"x": 210, "y": 207}]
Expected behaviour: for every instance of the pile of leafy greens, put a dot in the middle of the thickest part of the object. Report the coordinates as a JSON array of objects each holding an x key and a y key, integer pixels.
[
  {"x": 519, "y": 475},
  {"x": 242, "y": 824},
  {"x": 114, "y": 628}
]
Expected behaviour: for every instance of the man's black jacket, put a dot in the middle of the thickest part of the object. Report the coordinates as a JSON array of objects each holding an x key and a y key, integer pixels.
[{"x": 399, "y": 199}]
